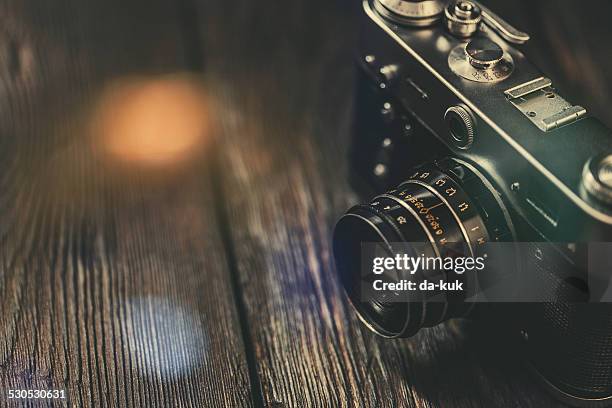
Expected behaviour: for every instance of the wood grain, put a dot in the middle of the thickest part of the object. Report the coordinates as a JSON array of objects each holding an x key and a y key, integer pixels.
[
  {"x": 114, "y": 283},
  {"x": 284, "y": 82},
  {"x": 210, "y": 283}
]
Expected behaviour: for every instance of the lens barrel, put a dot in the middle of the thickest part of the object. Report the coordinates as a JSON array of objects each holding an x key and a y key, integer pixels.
[{"x": 445, "y": 209}]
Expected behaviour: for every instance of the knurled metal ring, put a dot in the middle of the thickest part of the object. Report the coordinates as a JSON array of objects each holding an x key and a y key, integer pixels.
[{"x": 466, "y": 120}]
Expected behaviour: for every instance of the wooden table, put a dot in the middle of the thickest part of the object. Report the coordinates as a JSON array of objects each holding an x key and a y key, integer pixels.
[{"x": 205, "y": 278}]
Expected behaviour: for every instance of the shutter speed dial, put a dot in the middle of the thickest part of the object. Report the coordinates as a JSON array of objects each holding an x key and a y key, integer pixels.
[
  {"x": 415, "y": 13},
  {"x": 483, "y": 53},
  {"x": 481, "y": 60}
]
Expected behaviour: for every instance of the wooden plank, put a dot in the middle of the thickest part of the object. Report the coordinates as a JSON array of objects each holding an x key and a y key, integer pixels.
[
  {"x": 283, "y": 80},
  {"x": 114, "y": 284}
]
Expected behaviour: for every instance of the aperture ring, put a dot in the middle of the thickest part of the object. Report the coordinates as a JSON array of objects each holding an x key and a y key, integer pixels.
[
  {"x": 464, "y": 210},
  {"x": 465, "y": 213}
]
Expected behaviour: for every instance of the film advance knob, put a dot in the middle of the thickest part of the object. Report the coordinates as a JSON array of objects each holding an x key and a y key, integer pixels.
[
  {"x": 483, "y": 53},
  {"x": 463, "y": 18},
  {"x": 461, "y": 126}
]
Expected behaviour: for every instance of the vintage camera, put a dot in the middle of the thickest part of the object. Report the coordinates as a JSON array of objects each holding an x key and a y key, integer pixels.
[{"x": 451, "y": 117}]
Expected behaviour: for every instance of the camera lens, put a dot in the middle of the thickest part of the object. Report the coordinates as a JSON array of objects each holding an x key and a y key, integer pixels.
[{"x": 443, "y": 210}]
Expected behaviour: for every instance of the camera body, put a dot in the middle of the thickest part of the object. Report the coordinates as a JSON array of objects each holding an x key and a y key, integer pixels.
[{"x": 453, "y": 89}]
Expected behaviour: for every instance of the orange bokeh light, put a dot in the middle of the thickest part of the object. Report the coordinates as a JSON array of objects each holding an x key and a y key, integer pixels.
[{"x": 152, "y": 121}]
